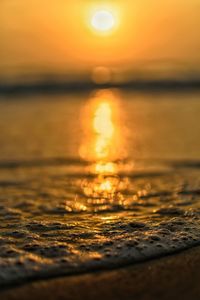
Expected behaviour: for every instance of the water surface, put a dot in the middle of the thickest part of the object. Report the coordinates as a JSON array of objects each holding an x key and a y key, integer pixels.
[{"x": 96, "y": 180}]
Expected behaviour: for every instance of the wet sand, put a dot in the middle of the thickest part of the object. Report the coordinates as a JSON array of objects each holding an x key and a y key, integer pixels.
[{"x": 171, "y": 277}]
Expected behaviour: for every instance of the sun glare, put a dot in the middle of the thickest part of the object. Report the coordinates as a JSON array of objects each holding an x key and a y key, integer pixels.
[{"x": 103, "y": 21}]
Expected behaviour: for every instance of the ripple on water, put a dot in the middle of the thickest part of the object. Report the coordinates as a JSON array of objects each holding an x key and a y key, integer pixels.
[{"x": 52, "y": 225}]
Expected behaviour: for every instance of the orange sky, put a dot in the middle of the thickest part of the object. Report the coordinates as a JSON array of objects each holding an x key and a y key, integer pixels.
[{"x": 55, "y": 34}]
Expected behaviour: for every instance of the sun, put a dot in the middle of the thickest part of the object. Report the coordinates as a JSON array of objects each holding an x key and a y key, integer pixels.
[{"x": 103, "y": 21}]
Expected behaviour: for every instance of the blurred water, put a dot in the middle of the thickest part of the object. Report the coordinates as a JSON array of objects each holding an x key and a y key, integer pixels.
[
  {"x": 96, "y": 180},
  {"x": 153, "y": 126}
]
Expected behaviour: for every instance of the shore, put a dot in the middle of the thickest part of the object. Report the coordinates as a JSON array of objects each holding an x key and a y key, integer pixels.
[{"x": 171, "y": 277}]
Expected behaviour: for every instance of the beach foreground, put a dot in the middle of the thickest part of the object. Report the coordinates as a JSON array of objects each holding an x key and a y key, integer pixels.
[{"x": 170, "y": 277}]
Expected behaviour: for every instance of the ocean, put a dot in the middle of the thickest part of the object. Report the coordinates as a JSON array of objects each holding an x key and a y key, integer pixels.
[{"x": 96, "y": 180}]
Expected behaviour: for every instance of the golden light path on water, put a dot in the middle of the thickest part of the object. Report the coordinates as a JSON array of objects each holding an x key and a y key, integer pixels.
[{"x": 104, "y": 146}]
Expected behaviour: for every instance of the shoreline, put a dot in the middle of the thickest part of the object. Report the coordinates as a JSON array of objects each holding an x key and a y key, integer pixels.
[{"x": 163, "y": 278}]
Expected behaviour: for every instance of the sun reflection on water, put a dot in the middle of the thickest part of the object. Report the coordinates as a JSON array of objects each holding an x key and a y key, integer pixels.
[
  {"x": 104, "y": 128},
  {"x": 103, "y": 132},
  {"x": 103, "y": 146},
  {"x": 105, "y": 168}
]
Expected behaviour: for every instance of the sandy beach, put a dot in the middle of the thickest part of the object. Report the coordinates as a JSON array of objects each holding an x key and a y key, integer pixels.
[{"x": 166, "y": 278}]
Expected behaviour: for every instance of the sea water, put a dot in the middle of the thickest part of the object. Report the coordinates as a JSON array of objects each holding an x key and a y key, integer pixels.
[{"x": 96, "y": 180}]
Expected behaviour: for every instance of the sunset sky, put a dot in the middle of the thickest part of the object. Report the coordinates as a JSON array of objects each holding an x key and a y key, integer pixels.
[{"x": 58, "y": 34}]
